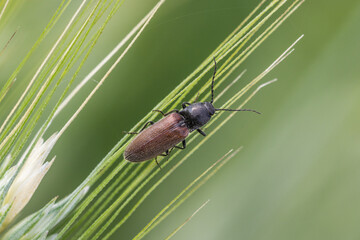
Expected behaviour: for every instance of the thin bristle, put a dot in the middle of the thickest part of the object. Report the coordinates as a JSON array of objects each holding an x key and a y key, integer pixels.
[
  {"x": 212, "y": 83},
  {"x": 237, "y": 110}
]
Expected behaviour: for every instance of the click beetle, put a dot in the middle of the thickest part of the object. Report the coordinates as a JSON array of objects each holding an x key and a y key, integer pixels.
[{"x": 161, "y": 137}]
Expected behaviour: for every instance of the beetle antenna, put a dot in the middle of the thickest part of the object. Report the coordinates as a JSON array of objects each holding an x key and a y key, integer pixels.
[
  {"x": 212, "y": 83},
  {"x": 237, "y": 110}
]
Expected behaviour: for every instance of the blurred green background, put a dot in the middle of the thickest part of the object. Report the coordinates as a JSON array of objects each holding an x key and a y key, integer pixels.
[{"x": 298, "y": 174}]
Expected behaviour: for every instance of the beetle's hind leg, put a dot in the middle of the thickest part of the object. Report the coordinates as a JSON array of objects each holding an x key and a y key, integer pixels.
[
  {"x": 145, "y": 126},
  {"x": 157, "y": 163},
  {"x": 167, "y": 153},
  {"x": 183, "y": 145}
]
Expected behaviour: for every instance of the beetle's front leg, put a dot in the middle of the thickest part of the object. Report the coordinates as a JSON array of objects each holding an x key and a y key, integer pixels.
[
  {"x": 184, "y": 104},
  {"x": 201, "y": 132}
]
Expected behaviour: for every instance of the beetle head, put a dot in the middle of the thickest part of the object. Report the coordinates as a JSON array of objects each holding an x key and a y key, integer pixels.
[{"x": 210, "y": 108}]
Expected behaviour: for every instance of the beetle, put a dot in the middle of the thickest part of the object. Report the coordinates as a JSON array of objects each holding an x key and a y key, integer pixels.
[{"x": 163, "y": 136}]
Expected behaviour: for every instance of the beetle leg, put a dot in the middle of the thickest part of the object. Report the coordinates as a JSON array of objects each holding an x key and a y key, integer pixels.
[
  {"x": 167, "y": 152},
  {"x": 157, "y": 162},
  {"x": 172, "y": 111},
  {"x": 156, "y": 110},
  {"x": 146, "y": 124},
  {"x": 165, "y": 114},
  {"x": 183, "y": 145},
  {"x": 201, "y": 132},
  {"x": 184, "y": 104}
]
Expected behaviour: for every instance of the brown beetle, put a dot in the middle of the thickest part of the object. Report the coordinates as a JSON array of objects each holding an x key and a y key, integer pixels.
[{"x": 161, "y": 137}]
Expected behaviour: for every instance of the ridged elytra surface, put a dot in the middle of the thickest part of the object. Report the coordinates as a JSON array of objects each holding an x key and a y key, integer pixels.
[{"x": 157, "y": 138}]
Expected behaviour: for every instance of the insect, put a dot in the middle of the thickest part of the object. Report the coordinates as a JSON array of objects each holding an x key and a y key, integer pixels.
[{"x": 163, "y": 136}]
